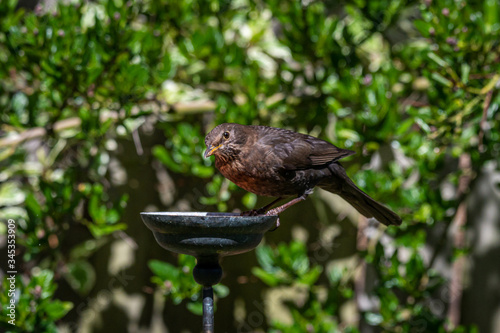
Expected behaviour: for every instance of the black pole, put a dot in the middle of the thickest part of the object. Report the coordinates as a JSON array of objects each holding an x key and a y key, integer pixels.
[
  {"x": 208, "y": 272},
  {"x": 208, "y": 310}
]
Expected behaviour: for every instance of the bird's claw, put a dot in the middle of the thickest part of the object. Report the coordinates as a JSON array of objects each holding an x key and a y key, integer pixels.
[
  {"x": 257, "y": 212},
  {"x": 272, "y": 212},
  {"x": 277, "y": 224}
]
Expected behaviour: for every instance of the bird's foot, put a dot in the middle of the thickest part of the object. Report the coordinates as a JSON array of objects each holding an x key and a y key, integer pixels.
[
  {"x": 271, "y": 213},
  {"x": 261, "y": 211},
  {"x": 274, "y": 211}
]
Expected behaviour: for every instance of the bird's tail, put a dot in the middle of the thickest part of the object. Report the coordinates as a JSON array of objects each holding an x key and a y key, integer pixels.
[{"x": 342, "y": 185}]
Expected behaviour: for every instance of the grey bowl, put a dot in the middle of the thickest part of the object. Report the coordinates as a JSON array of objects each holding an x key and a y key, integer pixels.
[{"x": 203, "y": 234}]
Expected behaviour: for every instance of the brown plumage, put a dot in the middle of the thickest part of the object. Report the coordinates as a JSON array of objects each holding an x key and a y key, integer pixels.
[{"x": 279, "y": 163}]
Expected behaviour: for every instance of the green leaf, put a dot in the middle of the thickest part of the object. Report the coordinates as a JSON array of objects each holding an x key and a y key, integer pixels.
[
  {"x": 57, "y": 309},
  {"x": 465, "y": 73},
  {"x": 348, "y": 134},
  {"x": 164, "y": 270},
  {"x": 195, "y": 307},
  {"x": 11, "y": 194},
  {"x": 423, "y": 125},
  {"x": 438, "y": 60},
  {"x": 99, "y": 230},
  {"x": 34, "y": 208},
  {"x": 423, "y": 27},
  {"x": 81, "y": 276},
  {"x": 311, "y": 276},
  {"x": 267, "y": 278},
  {"x": 202, "y": 171},
  {"x": 161, "y": 154},
  {"x": 265, "y": 256},
  {"x": 93, "y": 72},
  {"x": 221, "y": 290},
  {"x": 491, "y": 84},
  {"x": 249, "y": 200},
  {"x": 441, "y": 79}
]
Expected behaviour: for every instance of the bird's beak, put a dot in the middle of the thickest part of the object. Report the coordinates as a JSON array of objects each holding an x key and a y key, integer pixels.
[{"x": 210, "y": 150}]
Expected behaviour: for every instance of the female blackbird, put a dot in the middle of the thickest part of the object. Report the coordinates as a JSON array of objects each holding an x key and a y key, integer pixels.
[{"x": 276, "y": 162}]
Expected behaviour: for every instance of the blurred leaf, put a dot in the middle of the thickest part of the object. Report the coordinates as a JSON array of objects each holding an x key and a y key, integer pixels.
[
  {"x": 196, "y": 308},
  {"x": 312, "y": 276},
  {"x": 99, "y": 230},
  {"x": 57, "y": 309},
  {"x": 81, "y": 276},
  {"x": 221, "y": 290},
  {"x": 438, "y": 60},
  {"x": 441, "y": 79},
  {"x": 164, "y": 270},
  {"x": 249, "y": 200},
  {"x": 268, "y": 278}
]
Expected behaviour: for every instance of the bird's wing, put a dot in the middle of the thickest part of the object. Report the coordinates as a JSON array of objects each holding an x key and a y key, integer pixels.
[
  {"x": 312, "y": 152},
  {"x": 324, "y": 152},
  {"x": 299, "y": 151}
]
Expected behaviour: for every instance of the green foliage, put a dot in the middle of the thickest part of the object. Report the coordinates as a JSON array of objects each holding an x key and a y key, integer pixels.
[
  {"x": 36, "y": 309},
  {"x": 178, "y": 284},
  {"x": 286, "y": 265},
  {"x": 290, "y": 265},
  {"x": 412, "y": 85},
  {"x": 74, "y": 72},
  {"x": 182, "y": 152}
]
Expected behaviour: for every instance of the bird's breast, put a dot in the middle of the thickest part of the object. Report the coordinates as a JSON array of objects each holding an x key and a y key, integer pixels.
[{"x": 260, "y": 178}]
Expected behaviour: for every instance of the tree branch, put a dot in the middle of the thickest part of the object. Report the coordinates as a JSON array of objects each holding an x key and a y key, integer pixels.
[
  {"x": 74, "y": 122},
  {"x": 458, "y": 225}
]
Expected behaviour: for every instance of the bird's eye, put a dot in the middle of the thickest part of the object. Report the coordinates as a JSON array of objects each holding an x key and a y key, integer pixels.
[{"x": 225, "y": 135}]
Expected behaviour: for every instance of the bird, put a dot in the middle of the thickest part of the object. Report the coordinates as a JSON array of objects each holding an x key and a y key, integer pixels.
[{"x": 276, "y": 162}]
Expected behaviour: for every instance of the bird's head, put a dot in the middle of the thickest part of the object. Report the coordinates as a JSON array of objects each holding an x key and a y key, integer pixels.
[{"x": 225, "y": 141}]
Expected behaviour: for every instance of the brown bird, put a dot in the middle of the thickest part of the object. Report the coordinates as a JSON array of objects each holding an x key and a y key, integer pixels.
[{"x": 279, "y": 163}]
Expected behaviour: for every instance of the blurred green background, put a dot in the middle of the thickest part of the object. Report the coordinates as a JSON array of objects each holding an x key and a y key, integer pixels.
[{"x": 104, "y": 108}]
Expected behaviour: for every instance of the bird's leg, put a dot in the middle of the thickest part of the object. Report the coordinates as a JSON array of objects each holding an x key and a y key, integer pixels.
[
  {"x": 282, "y": 208},
  {"x": 264, "y": 209},
  {"x": 261, "y": 210}
]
